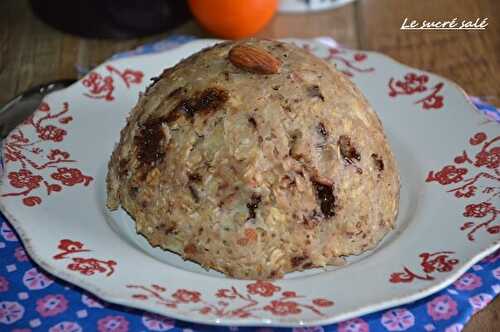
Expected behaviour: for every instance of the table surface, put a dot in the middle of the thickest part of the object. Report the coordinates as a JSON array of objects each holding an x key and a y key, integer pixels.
[{"x": 32, "y": 53}]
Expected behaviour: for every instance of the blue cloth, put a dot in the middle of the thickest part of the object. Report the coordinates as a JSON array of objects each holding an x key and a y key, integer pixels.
[{"x": 31, "y": 300}]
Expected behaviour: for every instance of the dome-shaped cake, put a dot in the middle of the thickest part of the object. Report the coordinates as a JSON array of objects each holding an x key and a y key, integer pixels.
[{"x": 255, "y": 158}]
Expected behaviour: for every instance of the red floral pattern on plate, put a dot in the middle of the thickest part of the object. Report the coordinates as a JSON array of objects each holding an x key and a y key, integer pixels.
[
  {"x": 346, "y": 64},
  {"x": 185, "y": 296},
  {"x": 260, "y": 296},
  {"x": 263, "y": 288},
  {"x": 486, "y": 167},
  {"x": 102, "y": 87},
  {"x": 70, "y": 176},
  {"x": 86, "y": 266},
  {"x": 417, "y": 84},
  {"x": 31, "y": 162},
  {"x": 430, "y": 263},
  {"x": 283, "y": 308}
]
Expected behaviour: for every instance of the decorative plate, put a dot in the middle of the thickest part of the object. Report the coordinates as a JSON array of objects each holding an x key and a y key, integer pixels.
[{"x": 53, "y": 192}]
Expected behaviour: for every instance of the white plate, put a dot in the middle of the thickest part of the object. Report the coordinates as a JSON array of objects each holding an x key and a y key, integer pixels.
[
  {"x": 53, "y": 193},
  {"x": 300, "y": 6}
]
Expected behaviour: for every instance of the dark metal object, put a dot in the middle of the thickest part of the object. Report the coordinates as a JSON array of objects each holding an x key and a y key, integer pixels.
[
  {"x": 22, "y": 106},
  {"x": 112, "y": 18}
]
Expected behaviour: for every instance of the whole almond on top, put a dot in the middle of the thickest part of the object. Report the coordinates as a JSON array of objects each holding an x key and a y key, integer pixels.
[{"x": 254, "y": 59}]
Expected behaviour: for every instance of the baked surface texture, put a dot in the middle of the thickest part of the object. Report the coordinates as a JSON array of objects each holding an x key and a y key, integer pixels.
[{"x": 255, "y": 158}]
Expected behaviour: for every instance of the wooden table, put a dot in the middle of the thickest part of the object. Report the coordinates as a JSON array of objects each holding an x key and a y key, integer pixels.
[{"x": 33, "y": 53}]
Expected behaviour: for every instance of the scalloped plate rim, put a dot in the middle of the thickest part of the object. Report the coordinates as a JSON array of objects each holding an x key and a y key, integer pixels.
[{"x": 336, "y": 317}]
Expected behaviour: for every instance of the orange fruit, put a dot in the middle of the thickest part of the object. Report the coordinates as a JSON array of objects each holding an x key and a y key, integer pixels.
[{"x": 233, "y": 18}]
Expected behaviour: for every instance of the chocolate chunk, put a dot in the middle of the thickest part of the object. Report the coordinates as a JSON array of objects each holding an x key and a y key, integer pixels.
[
  {"x": 314, "y": 91},
  {"x": 379, "y": 163},
  {"x": 322, "y": 130},
  {"x": 326, "y": 198},
  {"x": 194, "y": 193},
  {"x": 195, "y": 177},
  {"x": 173, "y": 115},
  {"x": 297, "y": 260},
  {"x": 288, "y": 182},
  {"x": 133, "y": 190},
  {"x": 307, "y": 265},
  {"x": 253, "y": 205},
  {"x": 149, "y": 141},
  {"x": 252, "y": 121},
  {"x": 208, "y": 101},
  {"x": 279, "y": 45},
  {"x": 123, "y": 167},
  {"x": 348, "y": 152},
  {"x": 167, "y": 229},
  {"x": 190, "y": 249}
]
